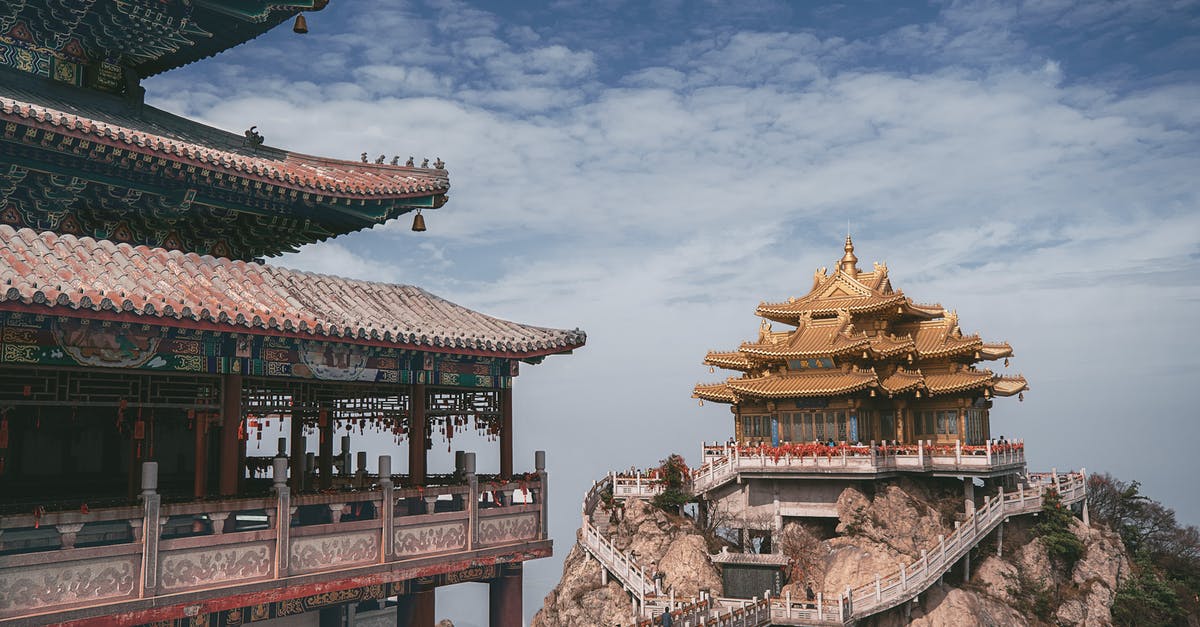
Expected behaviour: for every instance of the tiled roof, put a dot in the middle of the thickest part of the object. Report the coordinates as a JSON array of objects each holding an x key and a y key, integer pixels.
[
  {"x": 1008, "y": 385},
  {"x": 887, "y": 345},
  {"x": 821, "y": 306},
  {"x": 941, "y": 337},
  {"x": 948, "y": 382},
  {"x": 902, "y": 381},
  {"x": 732, "y": 360},
  {"x": 814, "y": 338},
  {"x": 807, "y": 384},
  {"x": 715, "y": 392},
  {"x": 64, "y": 274},
  {"x": 995, "y": 351},
  {"x": 155, "y": 133}
]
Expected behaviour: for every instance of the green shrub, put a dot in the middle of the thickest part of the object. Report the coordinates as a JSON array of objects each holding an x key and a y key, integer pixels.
[{"x": 1063, "y": 546}]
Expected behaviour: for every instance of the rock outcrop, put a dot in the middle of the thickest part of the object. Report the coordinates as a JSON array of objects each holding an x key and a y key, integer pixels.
[
  {"x": 874, "y": 534},
  {"x": 653, "y": 537}
]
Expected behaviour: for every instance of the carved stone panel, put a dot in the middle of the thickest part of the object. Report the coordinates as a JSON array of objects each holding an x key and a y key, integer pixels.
[
  {"x": 67, "y": 583},
  {"x": 430, "y": 538},
  {"x": 506, "y": 529},
  {"x": 314, "y": 553},
  {"x": 182, "y": 570}
]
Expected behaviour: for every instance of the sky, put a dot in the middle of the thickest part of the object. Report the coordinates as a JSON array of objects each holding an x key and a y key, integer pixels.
[{"x": 650, "y": 172}]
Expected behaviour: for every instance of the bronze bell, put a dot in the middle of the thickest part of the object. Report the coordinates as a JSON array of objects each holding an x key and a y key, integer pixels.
[
  {"x": 418, "y": 222},
  {"x": 301, "y": 25}
]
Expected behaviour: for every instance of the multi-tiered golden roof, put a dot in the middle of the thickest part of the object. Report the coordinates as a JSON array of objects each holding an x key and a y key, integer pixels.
[{"x": 860, "y": 345}]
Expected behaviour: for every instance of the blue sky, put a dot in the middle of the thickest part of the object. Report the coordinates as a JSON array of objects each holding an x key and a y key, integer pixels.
[{"x": 651, "y": 171}]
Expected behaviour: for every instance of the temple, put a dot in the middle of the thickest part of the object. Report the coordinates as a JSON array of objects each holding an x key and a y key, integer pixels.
[
  {"x": 861, "y": 362},
  {"x": 861, "y": 393},
  {"x": 144, "y": 344}
]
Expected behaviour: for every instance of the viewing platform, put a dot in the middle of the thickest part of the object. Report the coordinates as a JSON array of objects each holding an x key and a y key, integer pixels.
[
  {"x": 254, "y": 558},
  {"x": 724, "y": 462}
]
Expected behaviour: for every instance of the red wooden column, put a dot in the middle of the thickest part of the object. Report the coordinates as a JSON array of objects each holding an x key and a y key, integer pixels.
[
  {"x": 326, "y": 448},
  {"x": 504, "y": 594},
  {"x": 425, "y": 603},
  {"x": 506, "y": 433},
  {"x": 200, "y": 483},
  {"x": 297, "y": 443},
  {"x": 231, "y": 418},
  {"x": 416, "y": 434}
]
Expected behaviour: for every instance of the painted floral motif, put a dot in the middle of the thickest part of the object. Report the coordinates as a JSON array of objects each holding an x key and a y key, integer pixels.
[
  {"x": 190, "y": 569},
  {"x": 65, "y": 584},
  {"x": 433, "y": 538},
  {"x": 323, "y": 552},
  {"x": 505, "y": 529}
]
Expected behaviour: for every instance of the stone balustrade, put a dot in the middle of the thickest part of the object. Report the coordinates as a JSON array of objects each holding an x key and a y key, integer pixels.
[
  {"x": 723, "y": 463},
  {"x": 217, "y": 546}
]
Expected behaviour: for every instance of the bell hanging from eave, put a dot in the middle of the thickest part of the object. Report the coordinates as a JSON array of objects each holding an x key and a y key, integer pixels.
[
  {"x": 301, "y": 25},
  {"x": 418, "y": 222}
]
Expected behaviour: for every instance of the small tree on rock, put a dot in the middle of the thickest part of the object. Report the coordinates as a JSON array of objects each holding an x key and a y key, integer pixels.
[{"x": 673, "y": 475}]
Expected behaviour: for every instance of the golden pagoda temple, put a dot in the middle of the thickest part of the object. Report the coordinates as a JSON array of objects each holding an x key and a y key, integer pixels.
[{"x": 861, "y": 362}]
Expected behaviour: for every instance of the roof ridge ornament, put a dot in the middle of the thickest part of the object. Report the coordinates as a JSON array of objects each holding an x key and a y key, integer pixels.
[{"x": 849, "y": 263}]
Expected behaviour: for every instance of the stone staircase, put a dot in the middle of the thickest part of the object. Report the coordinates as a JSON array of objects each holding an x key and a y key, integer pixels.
[{"x": 842, "y": 607}]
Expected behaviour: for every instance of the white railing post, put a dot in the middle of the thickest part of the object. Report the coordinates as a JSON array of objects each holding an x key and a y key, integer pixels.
[
  {"x": 921, "y": 453},
  {"x": 958, "y": 452},
  {"x": 988, "y": 446},
  {"x": 878, "y": 589}
]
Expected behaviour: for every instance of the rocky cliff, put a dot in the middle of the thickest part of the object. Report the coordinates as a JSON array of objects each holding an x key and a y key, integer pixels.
[
  {"x": 876, "y": 529},
  {"x": 652, "y": 537}
]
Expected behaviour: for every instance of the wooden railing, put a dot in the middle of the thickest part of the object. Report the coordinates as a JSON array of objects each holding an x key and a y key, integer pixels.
[
  {"x": 723, "y": 463},
  {"x": 220, "y": 544},
  {"x": 842, "y": 607}
]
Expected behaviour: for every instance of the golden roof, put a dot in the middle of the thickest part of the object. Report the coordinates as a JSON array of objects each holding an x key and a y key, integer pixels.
[
  {"x": 715, "y": 392},
  {"x": 804, "y": 384},
  {"x": 732, "y": 360},
  {"x": 960, "y": 381},
  {"x": 831, "y": 328},
  {"x": 813, "y": 338},
  {"x": 1009, "y": 385},
  {"x": 902, "y": 381}
]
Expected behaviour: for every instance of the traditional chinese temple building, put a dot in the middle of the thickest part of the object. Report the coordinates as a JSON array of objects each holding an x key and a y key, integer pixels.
[
  {"x": 860, "y": 362},
  {"x": 144, "y": 344},
  {"x": 861, "y": 384}
]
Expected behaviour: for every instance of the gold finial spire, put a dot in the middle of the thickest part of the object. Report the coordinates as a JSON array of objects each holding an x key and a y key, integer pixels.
[{"x": 849, "y": 263}]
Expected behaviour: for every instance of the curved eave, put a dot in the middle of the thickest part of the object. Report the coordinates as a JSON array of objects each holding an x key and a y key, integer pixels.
[
  {"x": 789, "y": 313},
  {"x": 888, "y": 348},
  {"x": 768, "y": 352},
  {"x": 995, "y": 351},
  {"x": 714, "y": 392},
  {"x": 903, "y": 381},
  {"x": 950, "y": 383},
  {"x": 804, "y": 386},
  {"x": 296, "y": 172},
  {"x": 1009, "y": 385},
  {"x": 947, "y": 349},
  {"x": 730, "y": 360}
]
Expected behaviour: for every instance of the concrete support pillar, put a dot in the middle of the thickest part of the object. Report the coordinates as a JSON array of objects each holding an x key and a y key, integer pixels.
[
  {"x": 969, "y": 494},
  {"x": 506, "y": 434},
  {"x": 231, "y": 420},
  {"x": 967, "y": 567},
  {"x": 505, "y": 597},
  {"x": 325, "y": 446}
]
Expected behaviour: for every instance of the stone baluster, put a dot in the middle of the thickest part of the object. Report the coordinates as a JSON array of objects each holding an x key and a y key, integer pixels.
[
  {"x": 283, "y": 513},
  {"x": 387, "y": 513},
  {"x": 988, "y": 446},
  {"x": 472, "y": 500},
  {"x": 539, "y": 465},
  {"x": 151, "y": 502},
  {"x": 218, "y": 522},
  {"x": 335, "y": 512},
  {"x": 67, "y": 533},
  {"x": 430, "y": 503}
]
